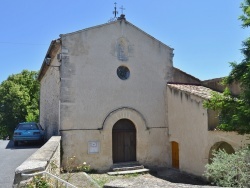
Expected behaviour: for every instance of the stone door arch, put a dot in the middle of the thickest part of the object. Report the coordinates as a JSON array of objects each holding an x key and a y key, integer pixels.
[
  {"x": 220, "y": 146},
  {"x": 124, "y": 141},
  {"x": 140, "y": 124}
]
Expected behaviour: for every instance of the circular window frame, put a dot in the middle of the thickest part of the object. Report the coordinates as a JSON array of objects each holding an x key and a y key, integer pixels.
[{"x": 123, "y": 72}]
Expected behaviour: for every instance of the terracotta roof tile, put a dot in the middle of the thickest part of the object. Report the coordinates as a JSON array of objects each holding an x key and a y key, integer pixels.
[{"x": 197, "y": 90}]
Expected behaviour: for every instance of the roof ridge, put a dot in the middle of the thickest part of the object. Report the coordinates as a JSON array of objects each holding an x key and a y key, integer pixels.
[
  {"x": 197, "y": 90},
  {"x": 181, "y": 83}
]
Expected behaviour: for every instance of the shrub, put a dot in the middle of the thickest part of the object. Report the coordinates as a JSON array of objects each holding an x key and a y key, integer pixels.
[
  {"x": 39, "y": 182},
  {"x": 3, "y": 132},
  {"x": 230, "y": 170}
]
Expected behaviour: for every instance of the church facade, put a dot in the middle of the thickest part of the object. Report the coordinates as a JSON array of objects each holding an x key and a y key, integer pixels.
[{"x": 112, "y": 93}]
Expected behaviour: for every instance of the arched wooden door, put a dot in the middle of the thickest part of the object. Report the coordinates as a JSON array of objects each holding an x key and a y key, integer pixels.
[
  {"x": 175, "y": 155},
  {"x": 124, "y": 141}
]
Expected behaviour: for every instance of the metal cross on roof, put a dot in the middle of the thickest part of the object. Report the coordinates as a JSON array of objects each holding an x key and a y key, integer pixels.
[
  {"x": 122, "y": 8},
  {"x": 115, "y": 12}
]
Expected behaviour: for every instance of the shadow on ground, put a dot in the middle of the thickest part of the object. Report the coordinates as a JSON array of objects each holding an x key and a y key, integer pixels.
[
  {"x": 175, "y": 176},
  {"x": 23, "y": 145}
]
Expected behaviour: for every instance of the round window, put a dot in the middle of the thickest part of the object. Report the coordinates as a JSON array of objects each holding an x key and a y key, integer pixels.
[{"x": 123, "y": 72}]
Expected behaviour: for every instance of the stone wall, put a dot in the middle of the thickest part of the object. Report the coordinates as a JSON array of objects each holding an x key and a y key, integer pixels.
[
  {"x": 189, "y": 126},
  {"x": 46, "y": 158},
  {"x": 216, "y": 85},
  {"x": 182, "y": 77},
  {"x": 49, "y": 100}
]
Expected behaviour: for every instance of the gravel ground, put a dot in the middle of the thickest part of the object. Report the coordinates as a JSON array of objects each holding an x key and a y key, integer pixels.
[
  {"x": 102, "y": 179},
  {"x": 148, "y": 181},
  {"x": 166, "y": 177},
  {"x": 162, "y": 178},
  {"x": 175, "y": 176},
  {"x": 80, "y": 180}
]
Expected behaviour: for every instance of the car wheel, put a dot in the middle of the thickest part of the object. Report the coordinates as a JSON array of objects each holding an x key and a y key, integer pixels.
[
  {"x": 42, "y": 141},
  {"x": 15, "y": 143}
]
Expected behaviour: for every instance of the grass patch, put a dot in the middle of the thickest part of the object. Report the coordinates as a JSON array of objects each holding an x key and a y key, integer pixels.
[{"x": 102, "y": 179}]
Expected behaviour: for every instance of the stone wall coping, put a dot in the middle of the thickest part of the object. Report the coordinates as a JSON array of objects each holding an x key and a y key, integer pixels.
[
  {"x": 39, "y": 160},
  {"x": 31, "y": 166}
]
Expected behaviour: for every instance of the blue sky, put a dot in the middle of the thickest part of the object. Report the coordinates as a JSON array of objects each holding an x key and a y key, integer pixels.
[{"x": 206, "y": 35}]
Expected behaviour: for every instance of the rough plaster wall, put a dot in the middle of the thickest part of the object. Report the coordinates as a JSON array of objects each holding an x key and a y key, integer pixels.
[
  {"x": 188, "y": 126},
  {"x": 151, "y": 144},
  {"x": 49, "y": 100},
  {"x": 90, "y": 86},
  {"x": 182, "y": 77},
  {"x": 75, "y": 143},
  {"x": 235, "y": 140},
  {"x": 213, "y": 119},
  {"x": 216, "y": 85},
  {"x": 91, "y": 90}
]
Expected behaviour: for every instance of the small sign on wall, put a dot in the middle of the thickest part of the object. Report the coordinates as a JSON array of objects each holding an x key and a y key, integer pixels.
[{"x": 93, "y": 147}]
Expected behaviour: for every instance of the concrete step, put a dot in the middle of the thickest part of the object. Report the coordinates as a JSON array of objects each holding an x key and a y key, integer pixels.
[
  {"x": 128, "y": 168},
  {"x": 125, "y": 164},
  {"x": 144, "y": 170}
]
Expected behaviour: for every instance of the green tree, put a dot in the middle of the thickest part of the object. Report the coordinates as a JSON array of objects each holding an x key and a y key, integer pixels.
[
  {"x": 235, "y": 111},
  {"x": 19, "y": 99}
]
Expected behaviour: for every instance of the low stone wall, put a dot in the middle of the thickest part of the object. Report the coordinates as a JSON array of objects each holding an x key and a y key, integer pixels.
[{"x": 46, "y": 158}]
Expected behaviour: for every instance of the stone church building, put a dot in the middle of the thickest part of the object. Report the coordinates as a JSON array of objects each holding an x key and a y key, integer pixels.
[{"x": 112, "y": 93}]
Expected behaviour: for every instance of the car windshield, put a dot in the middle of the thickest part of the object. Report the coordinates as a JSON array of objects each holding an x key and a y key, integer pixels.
[{"x": 27, "y": 127}]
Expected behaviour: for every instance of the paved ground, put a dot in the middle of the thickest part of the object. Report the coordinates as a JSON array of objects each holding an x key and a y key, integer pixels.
[
  {"x": 81, "y": 180},
  {"x": 149, "y": 181},
  {"x": 165, "y": 177},
  {"x": 10, "y": 158},
  {"x": 175, "y": 176}
]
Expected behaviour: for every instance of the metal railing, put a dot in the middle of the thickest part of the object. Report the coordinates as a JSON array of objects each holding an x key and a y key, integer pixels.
[{"x": 45, "y": 173}]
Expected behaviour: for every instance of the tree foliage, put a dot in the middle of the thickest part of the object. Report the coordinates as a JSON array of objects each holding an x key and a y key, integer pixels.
[
  {"x": 230, "y": 170},
  {"x": 19, "y": 97},
  {"x": 235, "y": 112}
]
